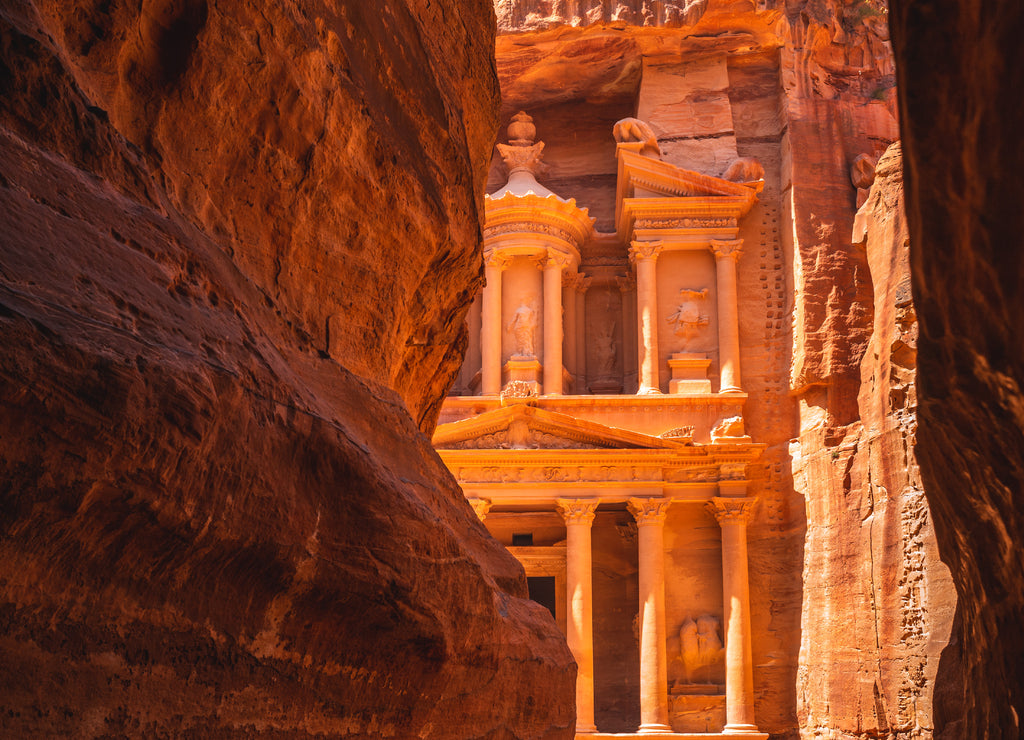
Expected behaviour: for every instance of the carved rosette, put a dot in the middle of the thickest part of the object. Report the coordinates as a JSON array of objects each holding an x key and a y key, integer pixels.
[
  {"x": 577, "y": 510},
  {"x": 481, "y": 506},
  {"x": 732, "y": 510},
  {"x": 727, "y": 249},
  {"x": 644, "y": 251},
  {"x": 649, "y": 511}
]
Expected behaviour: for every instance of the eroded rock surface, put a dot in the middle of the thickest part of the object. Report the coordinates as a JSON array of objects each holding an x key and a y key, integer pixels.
[
  {"x": 878, "y": 603},
  {"x": 219, "y": 516},
  {"x": 960, "y": 63}
]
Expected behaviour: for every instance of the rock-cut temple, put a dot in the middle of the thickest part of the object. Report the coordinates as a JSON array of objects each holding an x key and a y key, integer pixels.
[{"x": 597, "y": 429}]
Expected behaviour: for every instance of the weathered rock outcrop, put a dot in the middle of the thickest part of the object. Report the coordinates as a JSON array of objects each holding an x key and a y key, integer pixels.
[
  {"x": 236, "y": 244},
  {"x": 960, "y": 63},
  {"x": 878, "y": 603}
]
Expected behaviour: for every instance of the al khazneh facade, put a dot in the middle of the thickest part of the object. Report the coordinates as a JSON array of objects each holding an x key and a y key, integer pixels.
[{"x": 604, "y": 442}]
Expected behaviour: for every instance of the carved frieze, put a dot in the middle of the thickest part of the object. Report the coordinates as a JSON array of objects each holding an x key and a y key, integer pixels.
[
  {"x": 685, "y": 223},
  {"x": 529, "y": 227}
]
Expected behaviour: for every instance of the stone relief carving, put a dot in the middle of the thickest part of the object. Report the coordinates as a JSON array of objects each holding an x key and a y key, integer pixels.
[
  {"x": 549, "y": 473},
  {"x": 523, "y": 328},
  {"x": 604, "y": 351},
  {"x": 685, "y": 432},
  {"x": 700, "y": 648},
  {"x": 744, "y": 169},
  {"x": 517, "y": 390},
  {"x": 685, "y": 223},
  {"x": 689, "y": 317},
  {"x": 729, "y": 427}
]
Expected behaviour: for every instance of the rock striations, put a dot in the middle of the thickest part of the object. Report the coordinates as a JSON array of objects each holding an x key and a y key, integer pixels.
[{"x": 236, "y": 243}]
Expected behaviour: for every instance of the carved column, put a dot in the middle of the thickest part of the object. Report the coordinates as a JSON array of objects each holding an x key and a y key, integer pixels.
[
  {"x": 650, "y": 516},
  {"x": 569, "y": 338},
  {"x": 473, "y": 357},
  {"x": 579, "y": 515},
  {"x": 727, "y": 254},
  {"x": 553, "y": 266},
  {"x": 733, "y": 514},
  {"x": 490, "y": 326},
  {"x": 627, "y": 287},
  {"x": 644, "y": 255},
  {"x": 480, "y": 506},
  {"x": 582, "y": 283}
]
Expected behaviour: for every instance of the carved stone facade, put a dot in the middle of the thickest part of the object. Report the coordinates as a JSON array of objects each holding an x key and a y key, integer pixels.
[{"x": 601, "y": 395}]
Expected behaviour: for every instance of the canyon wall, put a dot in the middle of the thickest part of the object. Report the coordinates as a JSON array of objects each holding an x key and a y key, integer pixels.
[
  {"x": 237, "y": 241},
  {"x": 851, "y": 605},
  {"x": 959, "y": 65}
]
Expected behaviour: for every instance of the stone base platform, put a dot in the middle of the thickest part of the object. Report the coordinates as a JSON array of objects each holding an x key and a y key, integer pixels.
[{"x": 673, "y": 735}]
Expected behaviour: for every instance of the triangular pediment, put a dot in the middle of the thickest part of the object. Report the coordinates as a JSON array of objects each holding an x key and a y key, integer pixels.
[{"x": 524, "y": 427}]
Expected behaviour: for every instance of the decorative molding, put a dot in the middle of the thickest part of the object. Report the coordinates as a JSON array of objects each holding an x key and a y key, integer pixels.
[
  {"x": 685, "y": 223},
  {"x": 727, "y": 249},
  {"x": 732, "y": 510},
  {"x": 649, "y": 511},
  {"x": 577, "y": 510},
  {"x": 530, "y": 227}
]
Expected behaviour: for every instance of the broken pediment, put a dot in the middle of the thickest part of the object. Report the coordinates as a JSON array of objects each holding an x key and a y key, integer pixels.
[
  {"x": 651, "y": 190},
  {"x": 522, "y": 427}
]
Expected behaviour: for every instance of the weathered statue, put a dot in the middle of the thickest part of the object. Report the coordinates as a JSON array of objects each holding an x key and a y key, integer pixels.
[
  {"x": 633, "y": 129},
  {"x": 689, "y": 317},
  {"x": 523, "y": 328},
  {"x": 604, "y": 351},
  {"x": 701, "y": 645}
]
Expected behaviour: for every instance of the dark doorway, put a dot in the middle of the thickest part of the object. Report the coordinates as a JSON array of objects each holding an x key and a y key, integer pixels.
[{"x": 542, "y": 590}]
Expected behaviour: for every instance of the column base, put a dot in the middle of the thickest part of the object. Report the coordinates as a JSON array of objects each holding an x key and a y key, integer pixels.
[
  {"x": 652, "y": 729},
  {"x": 586, "y": 730},
  {"x": 649, "y": 392},
  {"x": 731, "y": 389},
  {"x": 740, "y": 730}
]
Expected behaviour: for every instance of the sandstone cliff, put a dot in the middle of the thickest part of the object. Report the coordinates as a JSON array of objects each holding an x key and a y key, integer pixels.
[
  {"x": 961, "y": 66},
  {"x": 878, "y": 603},
  {"x": 236, "y": 244}
]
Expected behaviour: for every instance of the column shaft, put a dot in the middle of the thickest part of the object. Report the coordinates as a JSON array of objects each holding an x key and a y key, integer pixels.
[
  {"x": 650, "y": 518},
  {"x": 579, "y": 516},
  {"x": 733, "y": 515},
  {"x": 645, "y": 255},
  {"x": 569, "y": 338},
  {"x": 553, "y": 325},
  {"x": 727, "y": 253},
  {"x": 490, "y": 328}
]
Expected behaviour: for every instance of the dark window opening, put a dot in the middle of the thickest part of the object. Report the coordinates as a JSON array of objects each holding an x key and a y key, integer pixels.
[
  {"x": 542, "y": 590},
  {"x": 522, "y": 540}
]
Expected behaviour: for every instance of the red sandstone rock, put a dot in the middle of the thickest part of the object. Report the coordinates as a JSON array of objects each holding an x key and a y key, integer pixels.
[
  {"x": 963, "y": 69},
  {"x": 210, "y": 528},
  {"x": 878, "y": 604}
]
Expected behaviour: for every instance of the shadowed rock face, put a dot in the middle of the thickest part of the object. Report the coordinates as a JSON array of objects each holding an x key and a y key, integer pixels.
[
  {"x": 236, "y": 244},
  {"x": 959, "y": 63}
]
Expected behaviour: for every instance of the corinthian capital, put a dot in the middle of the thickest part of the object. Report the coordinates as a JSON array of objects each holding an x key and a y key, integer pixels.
[
  {"x": 496, "y": 259},
  {"x": 556, "y": 260},
  {"x": 732, "y": 510},
  {"x": 577, "y": 510},
  {"x": 649, "y": 510},
  {"x": 731, "y": 248},
  {"x": 644, "y": 251}
]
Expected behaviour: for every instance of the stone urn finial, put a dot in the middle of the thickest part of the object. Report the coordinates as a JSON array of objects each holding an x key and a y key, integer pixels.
[{"x": 521, "y": 132}]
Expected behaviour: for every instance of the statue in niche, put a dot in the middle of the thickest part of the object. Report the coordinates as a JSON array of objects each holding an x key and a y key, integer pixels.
[
  {"x": 523, "y": 328},
  {"x": 604, "y": 351},
  {"x": 701, "y": 646},
  {"x": 689, "y": 317}
]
